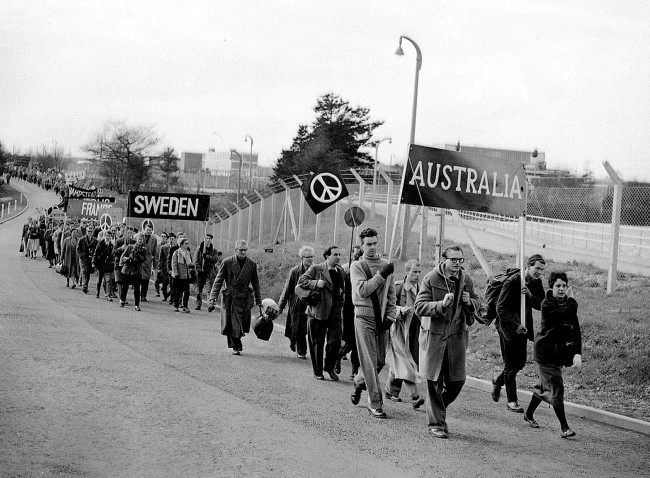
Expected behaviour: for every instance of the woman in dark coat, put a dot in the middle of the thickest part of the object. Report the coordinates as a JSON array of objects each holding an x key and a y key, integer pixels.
[
  {"x": 557, "y": 344},
  {"x": 131, "y": 263},
  {"x": 50, "y": 254},
  {"x": 103, "y": 262},
  {"x": 70, "y": 262}
]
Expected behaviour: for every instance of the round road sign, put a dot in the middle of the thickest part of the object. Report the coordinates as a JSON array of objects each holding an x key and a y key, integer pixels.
[
  {"x": 354, "y": 216},
  {"x": 326, "y": 188}
]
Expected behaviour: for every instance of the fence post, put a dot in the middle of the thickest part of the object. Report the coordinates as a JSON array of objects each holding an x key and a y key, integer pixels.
[
  {"x": 362, "y": 187},
  {"x": 238, "y": 215},
  {"x": 229, "y": 231},
  {"x": 261, "y": 224},
  {"x": 3, "y": 210},
  {"x": 424, "y": 226},
  {"x": 337, "y": 215},
  {"x": 250, "y": 221},
  {"x": 317, "y": 228},
  {"x": 389, "y": 205},
  {"x": 301, "y": 211},
  {"x": 616, "y": 226},
  {"x": 220, "y": 233},
  {"x": 289, "y": 209}
]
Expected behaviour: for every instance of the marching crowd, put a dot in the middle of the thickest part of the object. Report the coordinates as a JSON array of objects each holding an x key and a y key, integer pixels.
[{"x": 417, "y": 326}]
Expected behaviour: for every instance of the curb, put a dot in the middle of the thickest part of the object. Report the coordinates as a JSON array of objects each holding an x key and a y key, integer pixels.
[
  {"x": 20, "y": 213},
  {"x": 582, "y": 411}
]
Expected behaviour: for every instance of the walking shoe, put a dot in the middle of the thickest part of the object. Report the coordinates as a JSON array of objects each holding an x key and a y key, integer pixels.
[
  {"x": 176, "y": 309},
  {"x": 109, "y": 299},
  {"x": 303, "y": 356},
  {"x": 356, "y": 395},
  {"x": 73, "y": 286},
  {"x": 85, "y": 291},
  {"x": 186, "y": 310},
  {"x": 333, "y": 375},
  {"x": 236, "y": 352},
  {"x": 392, "y": 397},
  {"x": 568, "y": 433},
  {"x": 496, "y": 391},
  {"x": 122, "y": 304},
  {"x": 319, "y": 377},
  {"x": 418, "y": 402},
  {"x": 143, "y": 299},
  {"x": 137, "y": 307},
  {"x": 377, "y": 413},
  {"x": 514, "y": 407},
  {"x": 439, "y": 432},
  {"x": 531, "y": 421},
  {"x": 198, "y": 307}
]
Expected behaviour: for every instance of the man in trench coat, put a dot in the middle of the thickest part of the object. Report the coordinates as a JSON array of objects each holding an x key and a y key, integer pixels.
[
  {"x": 239, "y": 274},
  {"x": 446, "y": 305},
  {"x": 296, "y": 325}
]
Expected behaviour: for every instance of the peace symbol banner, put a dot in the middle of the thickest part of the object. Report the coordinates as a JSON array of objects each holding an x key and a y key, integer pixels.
[
  {"x": 322, "y": 190},
  {"x": 456, "y": 180}
]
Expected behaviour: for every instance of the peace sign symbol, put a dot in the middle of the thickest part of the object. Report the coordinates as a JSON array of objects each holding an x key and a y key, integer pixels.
[
  {"x": 326, "y": 188},
  {"x": 105, "y": 221},
  {"x": 147, "y": 223}
]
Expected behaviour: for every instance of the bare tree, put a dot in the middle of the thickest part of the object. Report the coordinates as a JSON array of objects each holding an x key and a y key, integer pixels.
[{"x": 123, "y": 153}]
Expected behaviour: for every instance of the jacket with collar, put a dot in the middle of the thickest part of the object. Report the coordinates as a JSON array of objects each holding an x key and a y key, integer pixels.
[{"x": 308, "y": 280}]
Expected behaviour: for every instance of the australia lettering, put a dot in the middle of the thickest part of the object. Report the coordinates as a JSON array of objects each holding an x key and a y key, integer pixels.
[{"x": 465, "y": 179}]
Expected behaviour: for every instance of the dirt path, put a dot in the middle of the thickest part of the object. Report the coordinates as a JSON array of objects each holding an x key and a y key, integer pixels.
[{"x": 89, "y": 388}]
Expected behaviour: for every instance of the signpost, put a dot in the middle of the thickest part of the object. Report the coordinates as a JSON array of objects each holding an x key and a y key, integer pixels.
[{"x": 353, "y": 217}]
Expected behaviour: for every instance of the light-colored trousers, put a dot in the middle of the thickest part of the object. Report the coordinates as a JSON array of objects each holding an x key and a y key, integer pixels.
[{"x": 371, "y": 346}]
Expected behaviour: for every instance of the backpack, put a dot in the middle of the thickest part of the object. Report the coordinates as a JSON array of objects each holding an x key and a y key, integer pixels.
[{"x": 492, "y": 292}]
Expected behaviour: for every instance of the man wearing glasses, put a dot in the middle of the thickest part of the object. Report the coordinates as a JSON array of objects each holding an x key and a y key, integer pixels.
[
  {"x": 239, "y": 274},
  {"x": 446, "y": 304},
  {"x": 296, "y": 326}
]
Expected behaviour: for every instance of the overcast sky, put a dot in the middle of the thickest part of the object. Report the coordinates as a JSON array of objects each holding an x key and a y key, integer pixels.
[{"x": 570, "y": 78}]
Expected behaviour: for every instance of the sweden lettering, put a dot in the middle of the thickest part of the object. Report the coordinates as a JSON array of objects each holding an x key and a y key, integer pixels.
[
  {"x": 166, "y": 206},
  {"x": 464, "y": 179}
]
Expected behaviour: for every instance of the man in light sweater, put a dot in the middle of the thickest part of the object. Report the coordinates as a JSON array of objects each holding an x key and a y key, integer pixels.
[{"x": 369, "y": 275}]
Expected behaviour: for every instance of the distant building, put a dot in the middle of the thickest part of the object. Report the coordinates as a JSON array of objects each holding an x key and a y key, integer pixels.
[
  {"x": 226, "y": 163},
  {"x": 191, "y": 162}
]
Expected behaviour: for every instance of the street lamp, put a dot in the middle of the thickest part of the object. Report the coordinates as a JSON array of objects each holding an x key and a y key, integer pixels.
[
  {"x": 418, "y": 65},
  {"x": 232, "y": 151},
  {"x": 250, "y": 164},
  {"x": 374, "y": 174}
]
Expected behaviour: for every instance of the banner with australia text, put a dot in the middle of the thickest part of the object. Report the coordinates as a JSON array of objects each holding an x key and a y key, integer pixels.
[
  {"x": 154, "y": 205},
  {"x": 456, "y": 180}
]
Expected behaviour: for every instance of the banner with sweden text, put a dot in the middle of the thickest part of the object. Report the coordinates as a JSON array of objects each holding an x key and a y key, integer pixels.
[
  {"x": 179, "y": 206},
  {"x": 456, "y": 180}
]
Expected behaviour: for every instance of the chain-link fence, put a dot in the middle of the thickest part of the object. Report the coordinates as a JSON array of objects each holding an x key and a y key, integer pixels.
[{"x": 577, "y": 218}]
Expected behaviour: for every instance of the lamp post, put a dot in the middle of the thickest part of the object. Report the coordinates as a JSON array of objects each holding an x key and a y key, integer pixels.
[
  {"x": 374, "y": 175},
  {"x": 232, "y": 151},
  {"x": 418, "y": 65},
  {"x": 250, "y": 164}
]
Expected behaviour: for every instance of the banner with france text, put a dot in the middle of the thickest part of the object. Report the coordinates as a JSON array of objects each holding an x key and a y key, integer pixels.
[{"x": 456, "y": 180}]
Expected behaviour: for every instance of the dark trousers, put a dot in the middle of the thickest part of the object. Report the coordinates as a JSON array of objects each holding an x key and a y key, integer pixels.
[
  {"x": 300, "y": 342},
  {"x": 513, "y": 352},
  {"x": 235, "y": 343},
  {"x": 441, "y": 393},
  {"x": 181, "y": 292},
  {"x": 201, "y": 279},
  {"x": 350, "y": 347},
  {"x": 144, "y": 288},
  {"x": 135, "y": 282},
  {"x": 320, "y": 331},
  {"x": 172, "y": 290},
  {"x": 105, "y": 278},
  {"x": 85, "y": 278},
  {"x": 162, "y": 279}
]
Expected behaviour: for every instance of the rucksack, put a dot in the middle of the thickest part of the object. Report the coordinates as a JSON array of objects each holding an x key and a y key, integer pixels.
[{"x": 492, "y": 292}]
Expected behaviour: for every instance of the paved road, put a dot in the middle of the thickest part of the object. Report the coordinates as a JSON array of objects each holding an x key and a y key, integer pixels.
[{"x": 89, "y": 388}]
